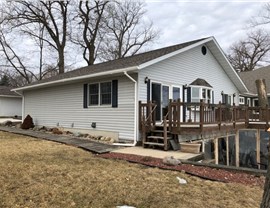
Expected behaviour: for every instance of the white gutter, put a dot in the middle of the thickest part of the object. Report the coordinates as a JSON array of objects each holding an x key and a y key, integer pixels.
[
  {"x": 76, "y": 78},
  {"x": 10, "y": 96},
  {"x": 22, "y": 96},
  {"x": 135, "y": 113}
]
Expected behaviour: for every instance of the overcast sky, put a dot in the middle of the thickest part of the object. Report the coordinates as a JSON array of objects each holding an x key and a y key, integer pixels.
[{"x": 181, "y": 21}]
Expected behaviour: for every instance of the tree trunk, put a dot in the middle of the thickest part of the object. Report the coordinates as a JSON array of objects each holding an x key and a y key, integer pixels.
[
  {"x": 61, "y": 62},
  {"x": 262, "y": 95},
  {"x": 263, "y": 102},
  {"x": 266, "y": 194}
]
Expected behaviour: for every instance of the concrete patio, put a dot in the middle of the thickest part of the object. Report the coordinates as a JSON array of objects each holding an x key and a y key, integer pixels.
[{"x": 155, "y": 153}]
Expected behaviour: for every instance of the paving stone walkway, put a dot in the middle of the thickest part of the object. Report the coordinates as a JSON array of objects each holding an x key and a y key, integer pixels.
[{"x": 92, "y": 146}]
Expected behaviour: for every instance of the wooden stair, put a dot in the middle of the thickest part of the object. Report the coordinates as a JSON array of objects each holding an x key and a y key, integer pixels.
[{"x": 158, "y": 138}]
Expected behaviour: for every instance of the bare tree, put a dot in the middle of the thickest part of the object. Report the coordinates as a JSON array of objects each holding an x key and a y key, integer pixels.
[
  {"x": 52, "y": 15},
  {"x": 246, "y": 55},
  {"x": 13, "y": 60},
  {"x": 127, "y": 32},
  {"x": 263, "y": 18},
  {"x": 90, "y": 28}
]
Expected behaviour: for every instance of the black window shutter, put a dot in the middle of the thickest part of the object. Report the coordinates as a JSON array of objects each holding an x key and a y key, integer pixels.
[
  {"x": 114, "y": 93},
  {"x": 213, "y": 98},
  {"x": 189, "y": 94},
  {"x": 85, "y": 92},
  {"x": 148, "y": 89}
]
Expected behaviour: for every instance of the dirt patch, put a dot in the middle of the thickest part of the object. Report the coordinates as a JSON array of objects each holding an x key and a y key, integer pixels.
[{"x": 38, "y": 173}]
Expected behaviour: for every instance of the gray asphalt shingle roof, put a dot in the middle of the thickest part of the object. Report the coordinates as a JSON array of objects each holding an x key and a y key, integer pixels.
[
  {"x": 119, "y": 63},
  {"x": 5, "y": 91},
  {"x": 250, "y": 77},
  {"x": 200, "y": 82}
]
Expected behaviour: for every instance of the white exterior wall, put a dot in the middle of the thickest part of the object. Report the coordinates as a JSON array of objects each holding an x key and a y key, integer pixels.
[
  {"x": 10, "y": 106},
  {"x": 186, "y": 67},
  {"x": 64, "y": 105}
]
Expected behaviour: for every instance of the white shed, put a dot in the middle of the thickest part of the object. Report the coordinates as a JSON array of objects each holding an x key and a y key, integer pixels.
[{"x": 10, "y": 103}]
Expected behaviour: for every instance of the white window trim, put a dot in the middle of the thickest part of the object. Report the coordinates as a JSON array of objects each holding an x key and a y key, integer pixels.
[
  {"x": 201, "y": 90},
  {"x": 99, "y": 95},
  {"x": 243, "y": 100}
]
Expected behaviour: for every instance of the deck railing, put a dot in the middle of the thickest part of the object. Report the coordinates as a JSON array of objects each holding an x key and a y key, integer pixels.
[{"x": 202, "y": 115}]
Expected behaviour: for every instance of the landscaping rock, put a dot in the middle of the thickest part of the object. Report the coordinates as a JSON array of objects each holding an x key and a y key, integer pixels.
[
  {"x": 27, "y": 122},
  {"x": 77, "y": 134},
  {"x": 35, "y": 128},
  {"x": 43, "y": 128},
  {"x": 8, "y": 123},
  {"x": 170, "y": 160},
  {"x": 56, "y": 131}
]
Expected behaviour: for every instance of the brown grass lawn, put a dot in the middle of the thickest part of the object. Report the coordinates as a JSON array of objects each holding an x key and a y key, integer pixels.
[{"x": 38, "y": 173}]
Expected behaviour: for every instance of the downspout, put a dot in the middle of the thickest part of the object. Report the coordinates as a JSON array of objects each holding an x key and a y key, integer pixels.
[
  {"x": 21, "y": 94},
  {"x": 135, "y": 113}
]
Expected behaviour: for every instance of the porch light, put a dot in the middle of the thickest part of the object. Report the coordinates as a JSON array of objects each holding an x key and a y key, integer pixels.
[
  {"x": 146, "y": 80},
  {"x": 222, "y": 92}
]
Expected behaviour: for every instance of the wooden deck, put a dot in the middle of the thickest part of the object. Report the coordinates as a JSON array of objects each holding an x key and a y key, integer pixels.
[{"x": 200, "y": 118}]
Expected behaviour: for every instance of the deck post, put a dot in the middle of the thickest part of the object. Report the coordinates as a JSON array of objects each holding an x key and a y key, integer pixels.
[
  {"x": 247, "y": 117},
  {"x": 140, "y": 115},
  {"x": 234, "y": 115},
  {"x": 219, "y": 115},
  {"x": 149, "y": 113},
  {"x": 216, "y": 150},
  {"x": 258, "y": 148},
  {"x": 201, "y": 115},
  {"x": 227, "y": 150},
  {"x": 170, "y": 115},
  {"x": 165, "y": 135},
  {"x": 178, "y": 113},
  {"x": 237, "y": 148},
  {"x": 143, "y": 131},
  {"x": 153, "y": 116}
]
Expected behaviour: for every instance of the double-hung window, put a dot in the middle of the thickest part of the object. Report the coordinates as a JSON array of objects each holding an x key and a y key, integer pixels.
[
  {"x": 100, "y": 93},
  {"x": 105, "y": 93},
  {"x": 93, "y": 94}
]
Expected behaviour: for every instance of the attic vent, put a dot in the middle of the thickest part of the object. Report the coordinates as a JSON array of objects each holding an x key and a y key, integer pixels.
[{"x": 204, "y": 50}]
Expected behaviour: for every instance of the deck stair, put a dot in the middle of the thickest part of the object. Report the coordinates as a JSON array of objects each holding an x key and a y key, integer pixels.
[{"x": 159, "y": 137}]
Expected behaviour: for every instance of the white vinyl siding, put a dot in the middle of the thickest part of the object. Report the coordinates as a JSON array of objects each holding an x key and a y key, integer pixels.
[
  {"x": 10, "y": 106},
  {"x": 64, "y": 105},
  {"x": 186, "y": 67}
]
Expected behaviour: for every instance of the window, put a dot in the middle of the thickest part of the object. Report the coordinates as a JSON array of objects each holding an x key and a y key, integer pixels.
[
  {"x": 241, "y": 100},
  {"x": 206, "y": 95},
  {"x": 195, "y": 95},
  {"x": 105, "y": 93},
  {"x": 100, "y": 93},
  {"x": 176, "y": 93},
  {"x": 198, "y": 93},
  {"x": 93, "y": 94}
]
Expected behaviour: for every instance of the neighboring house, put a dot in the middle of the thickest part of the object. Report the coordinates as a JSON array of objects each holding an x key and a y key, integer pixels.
[
  {"x": 10, "y": 103},
  {"x": 249, "y": 78},
  {"x": 103, "y": 98}
]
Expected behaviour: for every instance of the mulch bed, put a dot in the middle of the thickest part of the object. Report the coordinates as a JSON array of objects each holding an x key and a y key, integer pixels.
[{"x": 199, "y": 171}]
